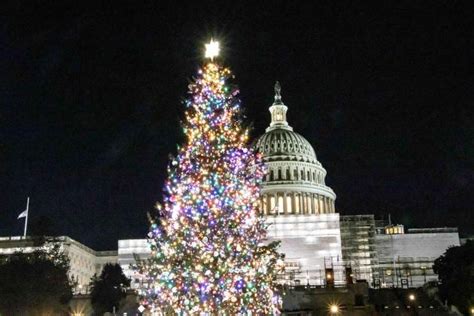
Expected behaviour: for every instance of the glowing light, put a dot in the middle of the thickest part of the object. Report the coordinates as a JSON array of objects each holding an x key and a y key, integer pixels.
[
  {"x": 212, "y": 49},
  {"x": 334, "y": 308},
  {"x": 411, "y": 297}
]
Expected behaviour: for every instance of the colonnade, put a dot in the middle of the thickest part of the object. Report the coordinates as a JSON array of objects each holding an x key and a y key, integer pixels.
[{"x": 275, "y": 203}]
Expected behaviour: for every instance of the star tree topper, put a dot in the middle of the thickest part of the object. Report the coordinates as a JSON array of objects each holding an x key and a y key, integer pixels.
[{"x": 212, "y": 49}]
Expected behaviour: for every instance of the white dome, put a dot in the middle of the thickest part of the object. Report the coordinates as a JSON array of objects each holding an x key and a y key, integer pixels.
[
  {"x": 295, "y": 181},
  {"x": 283, "y": 144}
]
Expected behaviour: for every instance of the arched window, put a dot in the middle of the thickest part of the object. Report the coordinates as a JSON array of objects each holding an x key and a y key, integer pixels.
[
  {"x": 279, "y": 174},
  {"x": 271, "y": 175},
  {"x": 302, "y": 175},
  {"x": 288, "y": 175},
  {"x": 308, "y": 177},
  {"x": 295, "y": 174}
]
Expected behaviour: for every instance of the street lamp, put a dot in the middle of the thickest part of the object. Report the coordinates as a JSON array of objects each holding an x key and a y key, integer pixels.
[
  {"x": 423, "y": 268},
  {"x": 412, "y": 297},
  {"x": 334, "y": 309}
]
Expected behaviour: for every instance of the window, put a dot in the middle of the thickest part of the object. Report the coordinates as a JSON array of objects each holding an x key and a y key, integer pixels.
[
  {"x": 302, "y": 175},
  {"x": 288, "y": 205},
  {"x": 279, "y": 175},
  {"x": 288, "y": 175},
  {"x": 271, "y": 175},
  {"x": 272, "y": 205},
  {"x": 280, "y": 206}
]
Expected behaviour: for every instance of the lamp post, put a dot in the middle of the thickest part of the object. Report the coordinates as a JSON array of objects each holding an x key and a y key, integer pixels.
[
  {"x": 334, "y": 309},
  {"x": 423, "y": 268},
  {"x": 411, "y": 301}
]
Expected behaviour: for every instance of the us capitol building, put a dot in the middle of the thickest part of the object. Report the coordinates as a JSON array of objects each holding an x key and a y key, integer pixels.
[
  {"x": 298, "y": 204},
  {"x": 321, "y": 247}
]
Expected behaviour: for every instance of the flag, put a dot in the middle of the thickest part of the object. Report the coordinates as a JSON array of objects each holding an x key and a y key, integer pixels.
[{"x": 24, "y": 214}]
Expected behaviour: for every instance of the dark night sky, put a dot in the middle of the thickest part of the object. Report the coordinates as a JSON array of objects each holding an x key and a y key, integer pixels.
[{"x": 90, "y": 103}]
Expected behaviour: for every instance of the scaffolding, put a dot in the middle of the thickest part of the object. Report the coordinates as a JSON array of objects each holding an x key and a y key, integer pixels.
[{"x": 358, "y": 246}]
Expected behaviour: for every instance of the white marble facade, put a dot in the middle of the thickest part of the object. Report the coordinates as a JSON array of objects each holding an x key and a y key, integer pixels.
[{"x": 310, "y": 244}]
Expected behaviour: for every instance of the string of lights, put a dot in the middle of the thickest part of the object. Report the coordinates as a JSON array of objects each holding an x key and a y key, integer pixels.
[{"x": 208, "y": 252}]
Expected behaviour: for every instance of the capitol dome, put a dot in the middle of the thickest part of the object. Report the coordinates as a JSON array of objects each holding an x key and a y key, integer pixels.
[
  {"x": 295, "y": 181},
  {"x": 281, "y": 144}
]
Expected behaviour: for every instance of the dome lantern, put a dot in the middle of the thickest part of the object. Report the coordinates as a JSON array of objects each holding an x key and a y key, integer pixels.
[{"x": 278, "y": 112}]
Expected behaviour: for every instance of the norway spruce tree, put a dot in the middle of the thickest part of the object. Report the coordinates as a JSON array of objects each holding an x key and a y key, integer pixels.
[{"x": 207, "y": 240}]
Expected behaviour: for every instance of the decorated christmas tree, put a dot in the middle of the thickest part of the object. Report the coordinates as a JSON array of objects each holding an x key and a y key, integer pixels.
[{"x": 207, "y": 240}]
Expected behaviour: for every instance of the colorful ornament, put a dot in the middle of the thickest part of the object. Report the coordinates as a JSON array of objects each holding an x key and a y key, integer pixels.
[{"x": 208, "y": 241}]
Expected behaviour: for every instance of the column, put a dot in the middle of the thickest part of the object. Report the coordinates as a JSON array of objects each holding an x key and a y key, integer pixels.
[
  {"x": 308, "y": 205},
  {"x": 297, "y": 206},
  {"x": 285, "y": 206},
  {"x": 269, "y": 205},
  {"x": 317, "y": 202},
  {"x": 305, "y": 204},
  {"x": 293, "y": 204},
  {"x": 300, "y": 201},
  {"x": 308, "y": 210},
  {"x": 276, "y": 208}
]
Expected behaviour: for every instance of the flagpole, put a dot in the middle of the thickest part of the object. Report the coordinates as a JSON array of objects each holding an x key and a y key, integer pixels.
[{"x": 26, "y": 218}]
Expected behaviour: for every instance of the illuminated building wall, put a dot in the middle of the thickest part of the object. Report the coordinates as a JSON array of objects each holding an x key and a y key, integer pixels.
[
  {"x": 84, "y": 261},
  {"x": 406, "y": 260},
  {"x": 310, "y": 243},
  {"x": 128, "y": 249}
]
